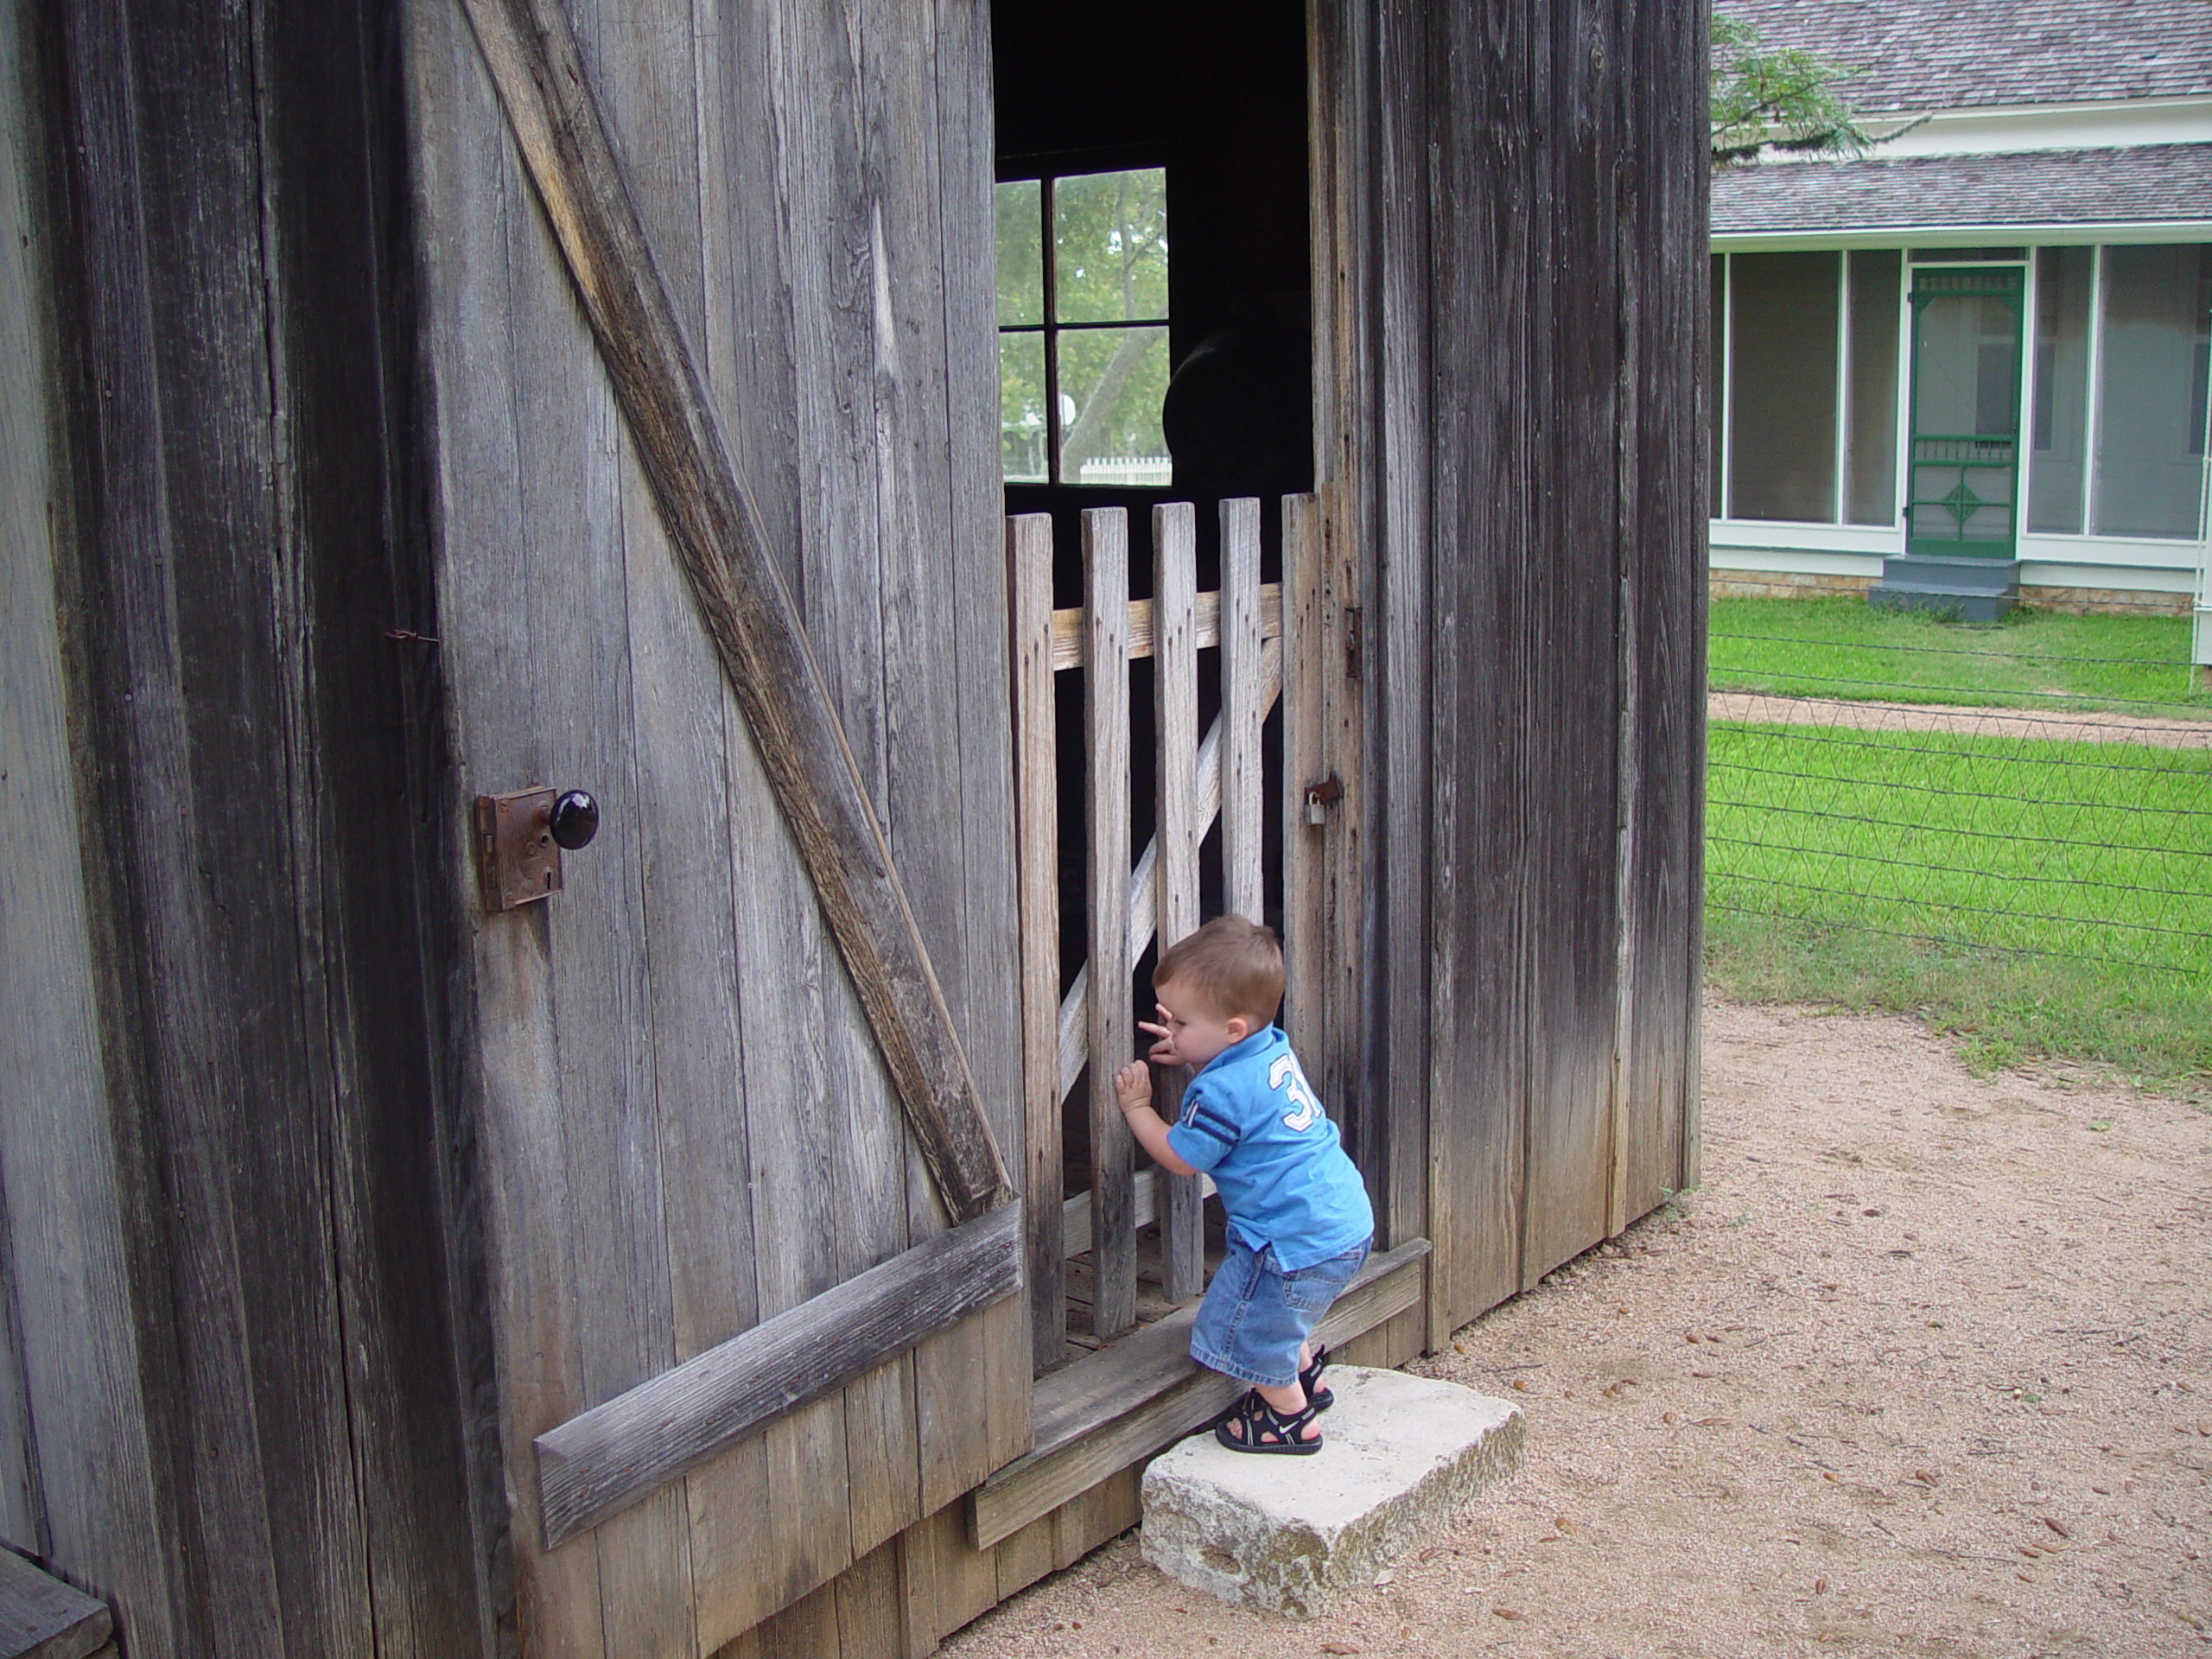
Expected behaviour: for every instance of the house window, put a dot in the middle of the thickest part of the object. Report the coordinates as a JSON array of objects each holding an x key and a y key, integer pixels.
[
  {"x": 2058, "y": 476},
  {"x": 2123, "y": 335},
  {"x": 2150, "y": 479},
  {"x": 1083, "y": 333},
  {"x": 1805, "y": 386}
]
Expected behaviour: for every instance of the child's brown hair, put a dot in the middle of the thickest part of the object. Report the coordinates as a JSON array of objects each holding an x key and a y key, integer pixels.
[{"x": 1235, "y": 965}]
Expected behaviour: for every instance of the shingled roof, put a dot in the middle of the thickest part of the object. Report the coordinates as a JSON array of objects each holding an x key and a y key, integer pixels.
[
  {"x": 1947, "y": 54},
  {"x": 2151, "y": 183}
]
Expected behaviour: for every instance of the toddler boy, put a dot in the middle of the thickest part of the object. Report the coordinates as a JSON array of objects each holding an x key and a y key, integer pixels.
[{"x": 1300, "y": 1224}]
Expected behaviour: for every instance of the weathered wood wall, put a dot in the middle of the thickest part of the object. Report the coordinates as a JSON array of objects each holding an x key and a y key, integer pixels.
[
  {"x": 322, "y": 1193},
  {"x": 233, "y": 1404},
  {"x": 1525, "y": 349},
  {"x": 685, "y": 1127}
]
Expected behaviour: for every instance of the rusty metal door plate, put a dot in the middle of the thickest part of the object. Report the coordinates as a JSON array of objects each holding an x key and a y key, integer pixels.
[{"x": 516, "y": 854}]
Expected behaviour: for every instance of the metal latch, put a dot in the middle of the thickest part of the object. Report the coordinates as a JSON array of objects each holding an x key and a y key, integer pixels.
[
  {"x": 519, "y": 836},
  {"x": 1319, "y": 797}
]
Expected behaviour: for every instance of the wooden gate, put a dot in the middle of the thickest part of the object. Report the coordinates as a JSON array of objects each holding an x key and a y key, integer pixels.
[
  {"x": 752, "y": 1248},
  {"x": 1195, "y": 782}
]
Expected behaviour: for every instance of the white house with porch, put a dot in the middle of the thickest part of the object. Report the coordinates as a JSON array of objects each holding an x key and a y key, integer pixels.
[{"x": 1971, "y": 368}]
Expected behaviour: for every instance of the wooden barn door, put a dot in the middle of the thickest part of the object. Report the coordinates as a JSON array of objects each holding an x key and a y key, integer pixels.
[{"x": 739, "y": 1084}]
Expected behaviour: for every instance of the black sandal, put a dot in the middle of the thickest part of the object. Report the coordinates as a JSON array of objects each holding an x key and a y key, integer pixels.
[
  {"x": 1317, "y": 1395},
  {"x": 1259, "y": 1420}
]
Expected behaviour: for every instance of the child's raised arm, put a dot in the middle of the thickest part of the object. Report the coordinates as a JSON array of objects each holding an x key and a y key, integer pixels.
[{"x": 1133, "y": 1092}]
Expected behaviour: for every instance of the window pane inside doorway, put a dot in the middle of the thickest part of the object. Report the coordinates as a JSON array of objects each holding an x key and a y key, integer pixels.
[
  {"x": 1020, "y": 252},
  {"x": 1109, "y": 246},
  {"x": 2151, "y": 404},
  {"x": 1023, "y": 437},
  {"x": 1782, "y": 451},
  {"x": 1112, "y": 381}
]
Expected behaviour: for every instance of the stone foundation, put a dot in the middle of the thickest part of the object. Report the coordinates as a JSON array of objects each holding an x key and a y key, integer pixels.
[
  {"x": 2105, "y": 601},
  {"x": 1784, "y": 584}
]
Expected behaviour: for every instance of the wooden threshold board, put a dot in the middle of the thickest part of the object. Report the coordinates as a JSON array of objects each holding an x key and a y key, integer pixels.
[
  {"x": 41, "y": 1617},
  {"x": 1097, "y": 1416}
]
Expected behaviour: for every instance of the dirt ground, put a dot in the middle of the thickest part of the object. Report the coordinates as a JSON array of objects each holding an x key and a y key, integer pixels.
[
  {"x": 1924, "y": 1366},
  {"x": 2065, "y": 725}
]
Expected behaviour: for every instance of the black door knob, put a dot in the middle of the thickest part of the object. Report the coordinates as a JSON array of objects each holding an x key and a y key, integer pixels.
[{"x": 574, "y": 820}]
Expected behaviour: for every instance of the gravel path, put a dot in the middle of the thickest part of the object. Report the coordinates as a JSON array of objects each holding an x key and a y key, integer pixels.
[{"x": 1924, "y": 1368}]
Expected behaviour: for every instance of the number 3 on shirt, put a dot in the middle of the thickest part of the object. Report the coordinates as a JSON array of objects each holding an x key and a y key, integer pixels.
[{"x": 1284, "y": 1076}]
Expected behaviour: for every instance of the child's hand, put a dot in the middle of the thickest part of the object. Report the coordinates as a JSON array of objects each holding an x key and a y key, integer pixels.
[
  {"x": 1133, "y": 1086},
  {"x": 1163, "y": 1051}
]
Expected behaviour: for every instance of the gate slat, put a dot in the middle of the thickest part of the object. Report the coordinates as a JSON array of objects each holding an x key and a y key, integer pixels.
[
  {"x": 1243, "y": 703},
  {"x": 1029, "y": 579},
  {"x": 1175, "y": 844},
  {"x": 1106, "y": 741}
]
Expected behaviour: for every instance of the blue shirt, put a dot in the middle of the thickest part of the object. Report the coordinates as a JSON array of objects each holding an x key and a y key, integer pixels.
[{"x": 1250, "y": 1121}]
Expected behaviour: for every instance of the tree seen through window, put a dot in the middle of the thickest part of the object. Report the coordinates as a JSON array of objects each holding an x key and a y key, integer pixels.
[{"x": 1082, "y": 340}]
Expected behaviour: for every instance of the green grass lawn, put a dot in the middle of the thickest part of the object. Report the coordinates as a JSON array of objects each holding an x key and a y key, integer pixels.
[
  {"x": 2034, "y": 659},
  {"x": 2044, "y": 899}
]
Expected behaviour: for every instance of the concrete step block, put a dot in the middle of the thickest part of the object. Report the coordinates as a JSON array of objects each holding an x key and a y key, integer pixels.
[{"x": 1401, "y": 1456}]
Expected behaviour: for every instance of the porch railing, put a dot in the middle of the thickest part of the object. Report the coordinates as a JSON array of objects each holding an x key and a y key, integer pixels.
[{"x": 1197, "y": 781}]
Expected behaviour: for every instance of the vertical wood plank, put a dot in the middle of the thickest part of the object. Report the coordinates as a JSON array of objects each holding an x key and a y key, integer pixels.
[
  {"x": 640, "y": 55},
  {"x": 747, "y": 1570},
  {"x": 806, "y": 1629},
  {"x": 1243, "y": 704},
  {"x": 188, "y": 604},
  {"x": 1110, "y": 1015},
  {"x": 469, "y": 199},
  {"x": 1104, "y": 1513},
  {"x": 749, "y": 348},
  {"x": 957, "y": 863},
  {"x": 1175, "y": 709},
  {"x": 89, "y": 1493},
  {"x": 372, "y": 901},
  {"x": 1029, "y": 562},
  {"x": 1025, "y": 1557},
  {"x": 1487, "y": 218},
  {"x": 872, "y": 1606},
  {"x": 1348, "y": 874},
  {"x": 1664, "y": 510},
  {"x": 1628, "y": 791},
  {"x": 1571, "y": 568},
  {"x": 1304, "y": 763},
  {"x": 967, "y": 169},
  {"x": 897, "y": 1433},
  {"x": 1344, "y": 132},
  {"x": 582, "y": 729},
  {"x": 948, "y": 1582},
  {"x": 1400, "y": 633}
]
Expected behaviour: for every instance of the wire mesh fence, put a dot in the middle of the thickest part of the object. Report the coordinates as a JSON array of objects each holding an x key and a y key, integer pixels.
[{"x": 1946, "y": 787}]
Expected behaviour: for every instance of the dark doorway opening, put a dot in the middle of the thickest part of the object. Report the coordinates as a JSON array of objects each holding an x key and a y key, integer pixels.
[
  {"x": 1214, "y": 96},
  {"x": 1155, "y": 256}
]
